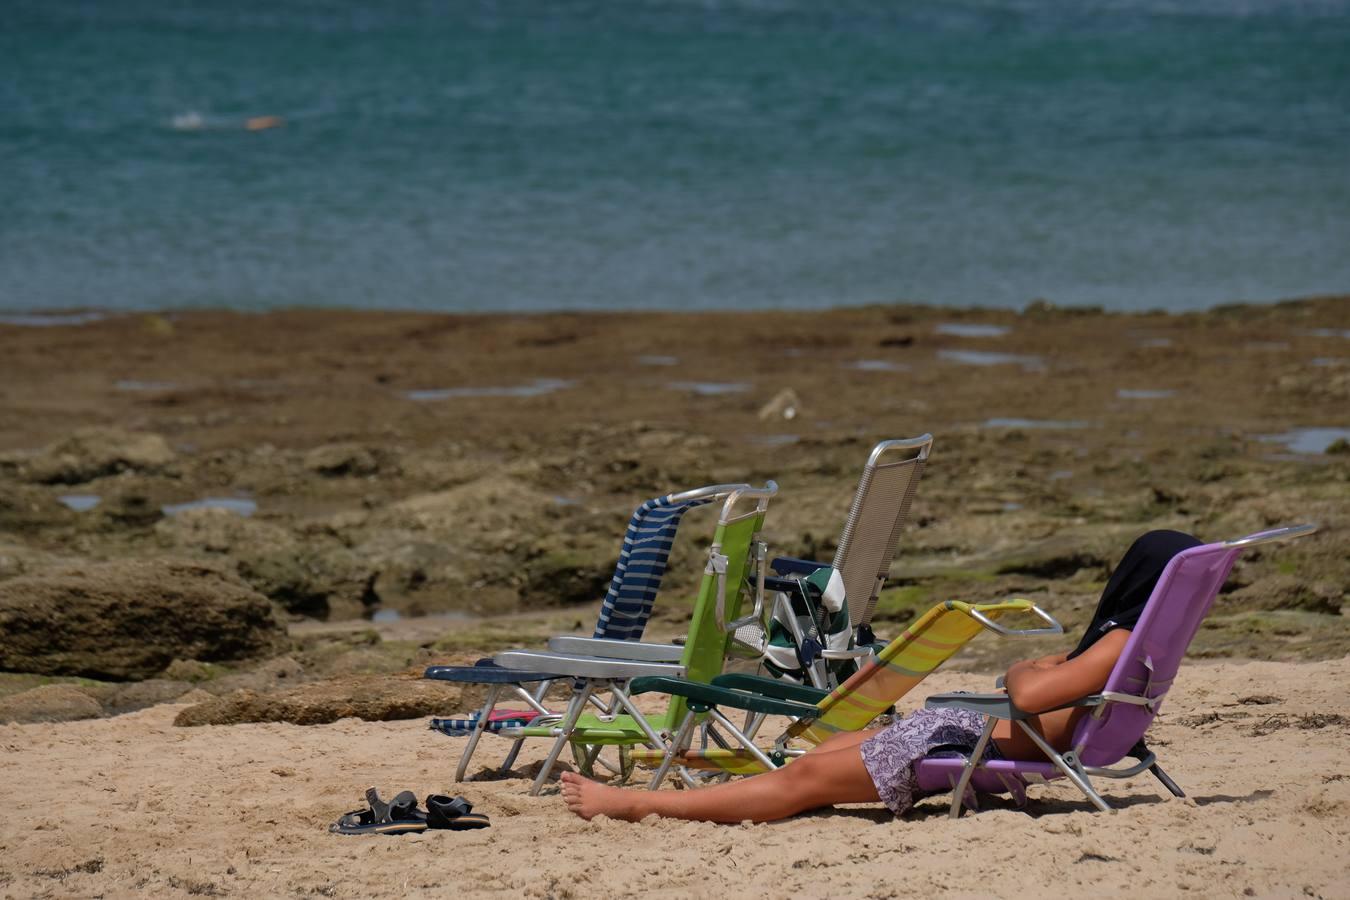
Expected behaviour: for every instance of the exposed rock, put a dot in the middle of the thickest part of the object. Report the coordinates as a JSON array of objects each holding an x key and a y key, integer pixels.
[
  {"x": 189, "y": 670},
  {"x": 564, "y": 577},
  {"x": 1286, "y": 592},
  {"x": 91, "y": 453},
  {"x": 141, "y": 694},
  {"x": 333, "y": 460},
  {"x": 375, "y": 660},
  {"x": 16, "y": 559},
  {"x": 195, "y": 696},
  {"x": 130, "y": 505},
  {"x": 484, "y": 507},
  {"x": 25, "y": 508},
  {"x": 131, "y": 618},
  {"x": 463, "y": 548},
  {"x": 1055, "y": 564},
  {"x": 49, "y": 703},
  {"x": 314, "y": 578},
  {"x": 275, "y": 673},
  {"x": 375, "y": 698}
]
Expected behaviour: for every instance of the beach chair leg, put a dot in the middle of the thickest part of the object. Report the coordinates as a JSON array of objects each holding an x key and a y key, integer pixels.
[
  {"x": 968, "y": 770},
  {"x": 1168, "y": 783},
  {"x": 675, "y": 748},
  {"x": 760, "y": 756},
  {"x": 1068, "y": 764},
  {"x": 511, "y": 755},
  {"x": 1085, "y": 786},
  {"x": 535, "y": 699},
  {"x": 569, "y": 724},
  {"x": 478, "y": 728}
]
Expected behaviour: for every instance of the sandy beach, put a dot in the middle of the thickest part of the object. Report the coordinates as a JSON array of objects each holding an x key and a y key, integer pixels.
[
  {"x": 132, "y": 806},
  {"x": 229, "y": 544}
]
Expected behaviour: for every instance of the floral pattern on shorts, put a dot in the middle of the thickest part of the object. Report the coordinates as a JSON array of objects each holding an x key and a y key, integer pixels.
[{"x": 890, "y": 754}]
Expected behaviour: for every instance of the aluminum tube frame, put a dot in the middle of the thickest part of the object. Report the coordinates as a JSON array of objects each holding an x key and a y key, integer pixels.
[
  {"x": 1052, "y": 624},
  {"x": 1068, "y": 764},
  {"x": 968, "y": 770}
]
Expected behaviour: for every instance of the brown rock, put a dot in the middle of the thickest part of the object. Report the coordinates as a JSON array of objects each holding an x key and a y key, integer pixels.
[
  {"x": 308, "y": 577},
  {"x": 25, "y": 507},
  {"x": 94, "y": 452},
  {"x": 333, "y": 460},
  {"x": 1286, "y": 592},
  {"x": 375, "y": 698},
  {"x": 271, "y": 675},
  {"x": 141, "y": 694},
  {"x": 188, "y": 670},
  {"x": 49, "y": 703},
  {"x": 129, "y": 619}
]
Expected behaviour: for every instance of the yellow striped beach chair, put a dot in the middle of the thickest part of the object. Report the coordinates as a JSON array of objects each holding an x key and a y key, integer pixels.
[{"x": 884, "y": 679}]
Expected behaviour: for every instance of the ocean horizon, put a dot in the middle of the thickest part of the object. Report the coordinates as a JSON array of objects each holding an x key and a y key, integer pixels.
[{"x": 668, "y": 155}]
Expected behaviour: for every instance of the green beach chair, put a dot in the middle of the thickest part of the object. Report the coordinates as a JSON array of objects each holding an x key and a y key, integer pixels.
[{"x": 608, "y": 666}]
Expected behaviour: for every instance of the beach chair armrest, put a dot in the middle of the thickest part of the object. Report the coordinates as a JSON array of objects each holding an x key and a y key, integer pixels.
[
  {"x": 790, "y": 565},
  {"x": 583, "y": 666},
  {"x": 786, "y": 585},
  {"x": 615, "y": 649},
  {"x": 710, "y": 695},
  {"x": 1001, "y": 707},
  {"x": 1050, "y": 625},
  {"x": 850, "y": 653},
  {"x": 770, "y": 687},
  {"x": 996, "y": 705}
]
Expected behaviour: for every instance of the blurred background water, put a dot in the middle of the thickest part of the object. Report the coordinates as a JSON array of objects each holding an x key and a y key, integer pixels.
[{"x": 641, "y": 154}]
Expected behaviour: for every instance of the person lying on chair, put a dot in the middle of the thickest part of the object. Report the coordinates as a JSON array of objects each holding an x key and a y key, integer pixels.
[{"x": 877, "y": 764}]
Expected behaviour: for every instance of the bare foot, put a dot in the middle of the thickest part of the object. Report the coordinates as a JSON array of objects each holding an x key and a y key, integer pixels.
[{"x": 589, "y": 798}]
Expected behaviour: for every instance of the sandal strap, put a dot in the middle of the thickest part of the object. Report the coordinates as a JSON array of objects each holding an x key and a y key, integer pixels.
[{"x": 443, "y": 808}]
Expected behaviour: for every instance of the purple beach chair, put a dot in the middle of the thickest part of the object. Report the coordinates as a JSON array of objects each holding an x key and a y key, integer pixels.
[{"x": 1124, "y": 709}]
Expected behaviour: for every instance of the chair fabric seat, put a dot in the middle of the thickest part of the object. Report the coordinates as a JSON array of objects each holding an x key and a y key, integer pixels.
[
  {"x": 592, "y": 729},
  {"x": 994, "y": 776}
]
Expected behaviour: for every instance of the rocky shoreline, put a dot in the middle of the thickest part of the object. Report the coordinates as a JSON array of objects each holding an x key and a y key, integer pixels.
[{"x": 285, "y": 516}]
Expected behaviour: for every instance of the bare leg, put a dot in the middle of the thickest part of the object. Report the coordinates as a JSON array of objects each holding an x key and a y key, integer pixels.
[
  {"x": 820, "y": 778},
  {"x": 843, "y": 739}
]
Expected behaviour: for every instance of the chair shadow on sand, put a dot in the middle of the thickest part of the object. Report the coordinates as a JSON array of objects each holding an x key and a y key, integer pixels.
[{"x": 1035, "y": 809}]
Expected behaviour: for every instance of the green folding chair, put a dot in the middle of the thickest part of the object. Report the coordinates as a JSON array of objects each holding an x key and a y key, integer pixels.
[{"x": 735, "y": 566}]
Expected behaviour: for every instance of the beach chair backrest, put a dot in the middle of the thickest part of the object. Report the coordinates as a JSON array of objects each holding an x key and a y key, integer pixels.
[
  {"x": 1147, "y": 666},
  {"x": 927, "y": 643},
  {"x": 642, "y": 561},
  {"x": 878, "y": 514},
  {"x": 705, "y": 648}
]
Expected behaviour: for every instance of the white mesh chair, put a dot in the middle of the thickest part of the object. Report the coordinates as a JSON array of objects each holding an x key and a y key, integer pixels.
[{"x": 806, "y": 640}]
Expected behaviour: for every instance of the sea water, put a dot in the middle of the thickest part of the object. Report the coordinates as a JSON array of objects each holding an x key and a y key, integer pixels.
[{"x": 673, "y": 154}]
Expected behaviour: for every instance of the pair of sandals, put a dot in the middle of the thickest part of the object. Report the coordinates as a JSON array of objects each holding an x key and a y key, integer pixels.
[{"x": 401, "y": 815}]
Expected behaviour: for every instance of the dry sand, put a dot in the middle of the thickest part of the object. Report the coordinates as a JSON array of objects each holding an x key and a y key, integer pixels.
[{"x": 131, "y": 805}]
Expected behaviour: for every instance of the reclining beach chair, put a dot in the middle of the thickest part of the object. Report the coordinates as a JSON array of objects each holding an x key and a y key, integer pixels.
[
  {"x": 609, "y": 665},
  {"x": 812, "y": 636},
  {"x": 627, "y": 604},
  {"x": 1123, "y": 711},
  {"x": 881, "y": 681}
]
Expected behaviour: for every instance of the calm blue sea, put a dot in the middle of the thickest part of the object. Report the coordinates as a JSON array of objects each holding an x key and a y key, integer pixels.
[{"x": 641, "y": 154}]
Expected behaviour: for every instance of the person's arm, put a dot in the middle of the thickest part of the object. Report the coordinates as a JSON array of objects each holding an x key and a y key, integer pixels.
[
  {"x": 1035, "y": 686},
  {"x": 1044, "y": 662}
]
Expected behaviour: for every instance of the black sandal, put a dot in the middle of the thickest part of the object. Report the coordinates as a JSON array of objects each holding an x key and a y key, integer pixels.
[
  {"x": 456, "y": 814},
  {"x": 398, "y": 816}
]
